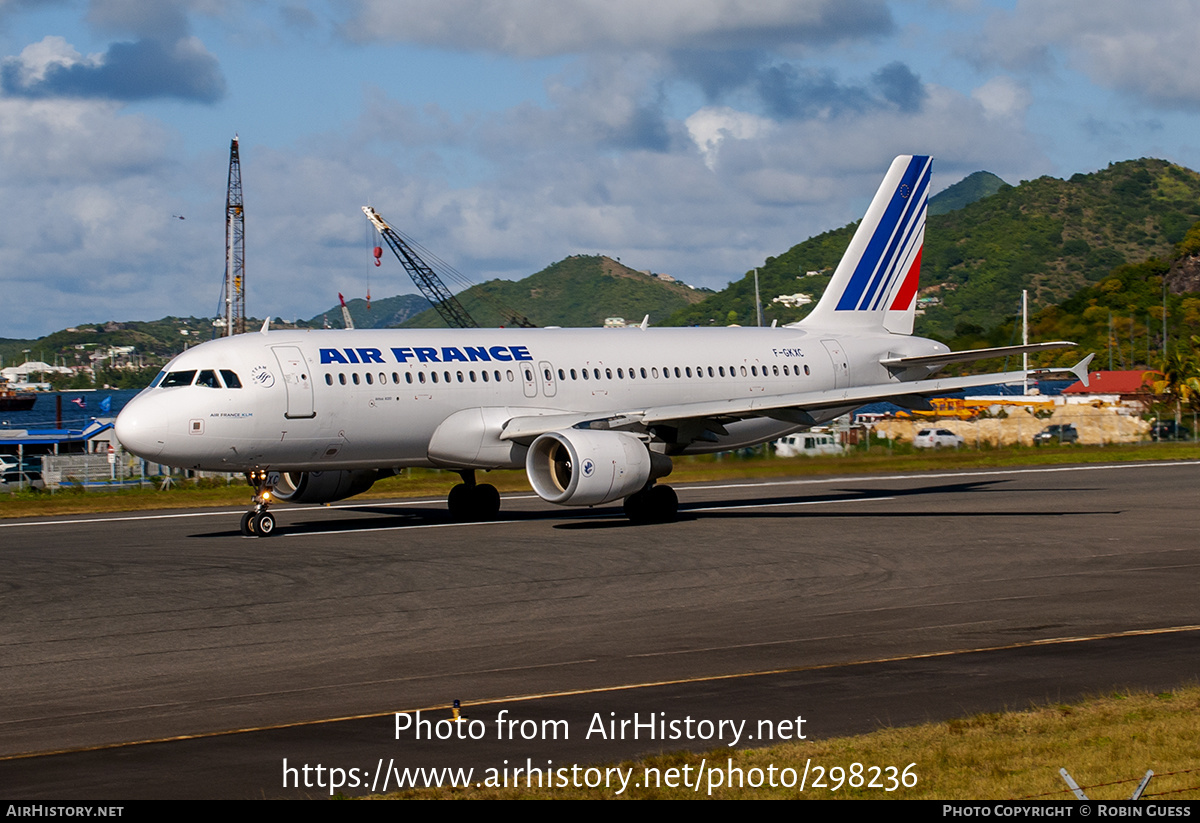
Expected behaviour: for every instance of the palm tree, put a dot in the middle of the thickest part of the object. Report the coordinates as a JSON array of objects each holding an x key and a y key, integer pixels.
[{"x": 1180, "y": 377}]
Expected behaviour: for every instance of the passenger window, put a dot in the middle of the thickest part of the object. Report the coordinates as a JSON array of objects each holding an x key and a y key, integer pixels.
[
  {"x": 232, "y": 381},
  {"x": 329, "y": 380},
  {"x": 178, "y": 378},
  {"x": 342, "y": 379},
  {"x": 354, "y": 377}
]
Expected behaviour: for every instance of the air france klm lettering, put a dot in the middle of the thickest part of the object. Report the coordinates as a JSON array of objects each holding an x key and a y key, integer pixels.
[{"x": 592, "y": 415}]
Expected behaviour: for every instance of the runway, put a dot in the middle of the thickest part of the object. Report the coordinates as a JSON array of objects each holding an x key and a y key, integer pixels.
[{"x": 1024, "y": 585}]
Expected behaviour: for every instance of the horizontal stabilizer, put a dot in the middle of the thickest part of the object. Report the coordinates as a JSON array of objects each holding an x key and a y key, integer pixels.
[
  {"x": 1080, "y": 370},
  {"x": 972, "y": 354}
]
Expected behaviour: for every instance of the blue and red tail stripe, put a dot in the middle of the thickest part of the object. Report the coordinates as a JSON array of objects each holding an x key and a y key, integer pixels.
[{"x": 893, "y": 252}]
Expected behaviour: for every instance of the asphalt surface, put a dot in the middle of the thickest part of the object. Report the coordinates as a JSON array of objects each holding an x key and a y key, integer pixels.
[{"x": 852, "y": 602}]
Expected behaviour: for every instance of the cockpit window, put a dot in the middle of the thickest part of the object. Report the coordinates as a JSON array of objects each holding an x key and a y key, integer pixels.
[
  {"x": 208, "y": 379},
  {"x": 179, "y": 378},
  {"x": 231, "y": 379},
  {"x": 157, "y": 379}
]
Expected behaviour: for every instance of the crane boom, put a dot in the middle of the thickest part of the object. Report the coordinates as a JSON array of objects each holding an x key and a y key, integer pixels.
[{"x": 427, "y": 281}]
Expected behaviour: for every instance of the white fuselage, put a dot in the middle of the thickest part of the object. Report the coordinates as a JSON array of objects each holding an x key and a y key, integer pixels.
[{"x": 325, "y": 400}]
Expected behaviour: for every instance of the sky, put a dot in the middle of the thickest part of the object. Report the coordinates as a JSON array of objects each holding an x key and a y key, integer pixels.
[{"x": 689, "y": 137}]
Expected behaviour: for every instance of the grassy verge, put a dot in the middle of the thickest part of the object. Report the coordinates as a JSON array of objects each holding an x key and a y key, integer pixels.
[
  {"x": 434, "y": 483},
  {"x": 1106, "y": 744}
]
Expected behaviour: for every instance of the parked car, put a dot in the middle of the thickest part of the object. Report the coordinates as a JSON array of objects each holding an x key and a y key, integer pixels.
[
  {"x": 1169, "y": 430},
  {"x": 1057, "y": 433},
  {"x": 937, "y": 439},
  {"x": 808, "y": 443}
]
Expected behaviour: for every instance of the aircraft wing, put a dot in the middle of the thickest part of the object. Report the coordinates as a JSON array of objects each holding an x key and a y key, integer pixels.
[{"x": 793, "y": 407}]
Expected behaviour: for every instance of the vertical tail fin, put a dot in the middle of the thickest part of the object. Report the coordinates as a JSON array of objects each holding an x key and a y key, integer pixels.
[{"x": 875, "y": 284}]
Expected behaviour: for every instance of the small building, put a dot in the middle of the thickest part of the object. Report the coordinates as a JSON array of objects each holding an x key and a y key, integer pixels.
[{"x": 1116, "y": 388}]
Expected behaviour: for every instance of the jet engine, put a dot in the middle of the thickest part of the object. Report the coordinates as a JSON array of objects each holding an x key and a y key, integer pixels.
[
  {"x": 580, "y": 467},
  {"x": 322, "y": 487}
]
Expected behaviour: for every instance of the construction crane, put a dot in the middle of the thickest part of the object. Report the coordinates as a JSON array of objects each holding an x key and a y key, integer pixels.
[
  {"x": 234, "y": 297},
  {"x": 429, "y": 283},
  {"x": 345, "y": 312}
]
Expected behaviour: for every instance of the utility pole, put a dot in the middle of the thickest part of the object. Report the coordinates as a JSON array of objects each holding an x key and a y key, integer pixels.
[{"x": 235, "y": 251}]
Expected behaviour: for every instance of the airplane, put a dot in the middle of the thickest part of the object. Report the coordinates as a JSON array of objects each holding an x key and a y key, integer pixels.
[{"x": 592, "y": 415}]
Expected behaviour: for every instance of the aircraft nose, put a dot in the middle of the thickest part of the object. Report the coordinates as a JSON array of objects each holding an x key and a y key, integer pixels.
[{"x": 142, "y": 427}]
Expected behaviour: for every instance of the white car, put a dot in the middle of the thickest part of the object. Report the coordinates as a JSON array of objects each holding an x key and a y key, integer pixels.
[{"x": 937, "y": 439}]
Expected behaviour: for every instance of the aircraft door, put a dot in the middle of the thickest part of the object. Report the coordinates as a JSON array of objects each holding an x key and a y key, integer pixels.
[
  {"x": 841, "y": 364},
  {"x": 549, "y": 381},
  {"x": 296, "y": 380},
  {"x": 530, "y": 378}
]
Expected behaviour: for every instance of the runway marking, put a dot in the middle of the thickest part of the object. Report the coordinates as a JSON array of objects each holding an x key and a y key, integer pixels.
[
  {"x": 861, "y": 478},
  {"x": 1027, "y": 644},
  {"x": 787, "y": 503}
]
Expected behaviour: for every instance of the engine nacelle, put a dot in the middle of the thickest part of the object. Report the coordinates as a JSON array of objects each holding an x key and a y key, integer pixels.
[
  {"x": 581, "y": 467},
  {"x": 321, "y": 487}
]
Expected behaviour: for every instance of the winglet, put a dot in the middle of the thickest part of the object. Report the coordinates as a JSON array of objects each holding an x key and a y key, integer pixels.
[
  {"x": 266, "y": 325},
  {"x": 645, "y": 322},
  {"x": 1080, "y": 369}
]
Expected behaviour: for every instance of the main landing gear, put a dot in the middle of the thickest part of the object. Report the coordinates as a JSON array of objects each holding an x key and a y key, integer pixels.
[
  {"x": 653, "y": 504},
  {"x": 258, "y": 522},
  {"x": 469, "y": 501}
]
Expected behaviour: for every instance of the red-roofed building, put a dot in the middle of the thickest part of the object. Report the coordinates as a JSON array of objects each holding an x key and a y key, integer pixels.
[{"x": 1122, "y": 386}]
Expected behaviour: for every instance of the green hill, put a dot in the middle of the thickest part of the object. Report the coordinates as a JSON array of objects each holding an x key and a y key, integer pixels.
[
  {"x": 383, "y": 314},
  {"x": 971, "y": 188},
  {"x": 582, "y": 290}
]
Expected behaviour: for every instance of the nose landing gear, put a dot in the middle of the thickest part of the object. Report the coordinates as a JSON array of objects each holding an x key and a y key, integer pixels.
[{"x": 258, "y": 522}]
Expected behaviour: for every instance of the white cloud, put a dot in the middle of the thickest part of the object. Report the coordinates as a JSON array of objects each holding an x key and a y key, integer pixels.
[
  {"x": 1147, "y": 50},
  {"x": 711, "y": 125},
  {"x": 50, "y": 52},
  {"x": 537, "y": 28},
  {"x": 1003, "y": 98}
]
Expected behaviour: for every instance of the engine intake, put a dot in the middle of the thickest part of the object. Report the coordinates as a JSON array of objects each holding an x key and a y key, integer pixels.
[{"x": 580, "y": 467}]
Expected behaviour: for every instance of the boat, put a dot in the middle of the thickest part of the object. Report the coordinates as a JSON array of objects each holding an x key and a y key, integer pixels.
[{"x": 13, "y": 400}]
